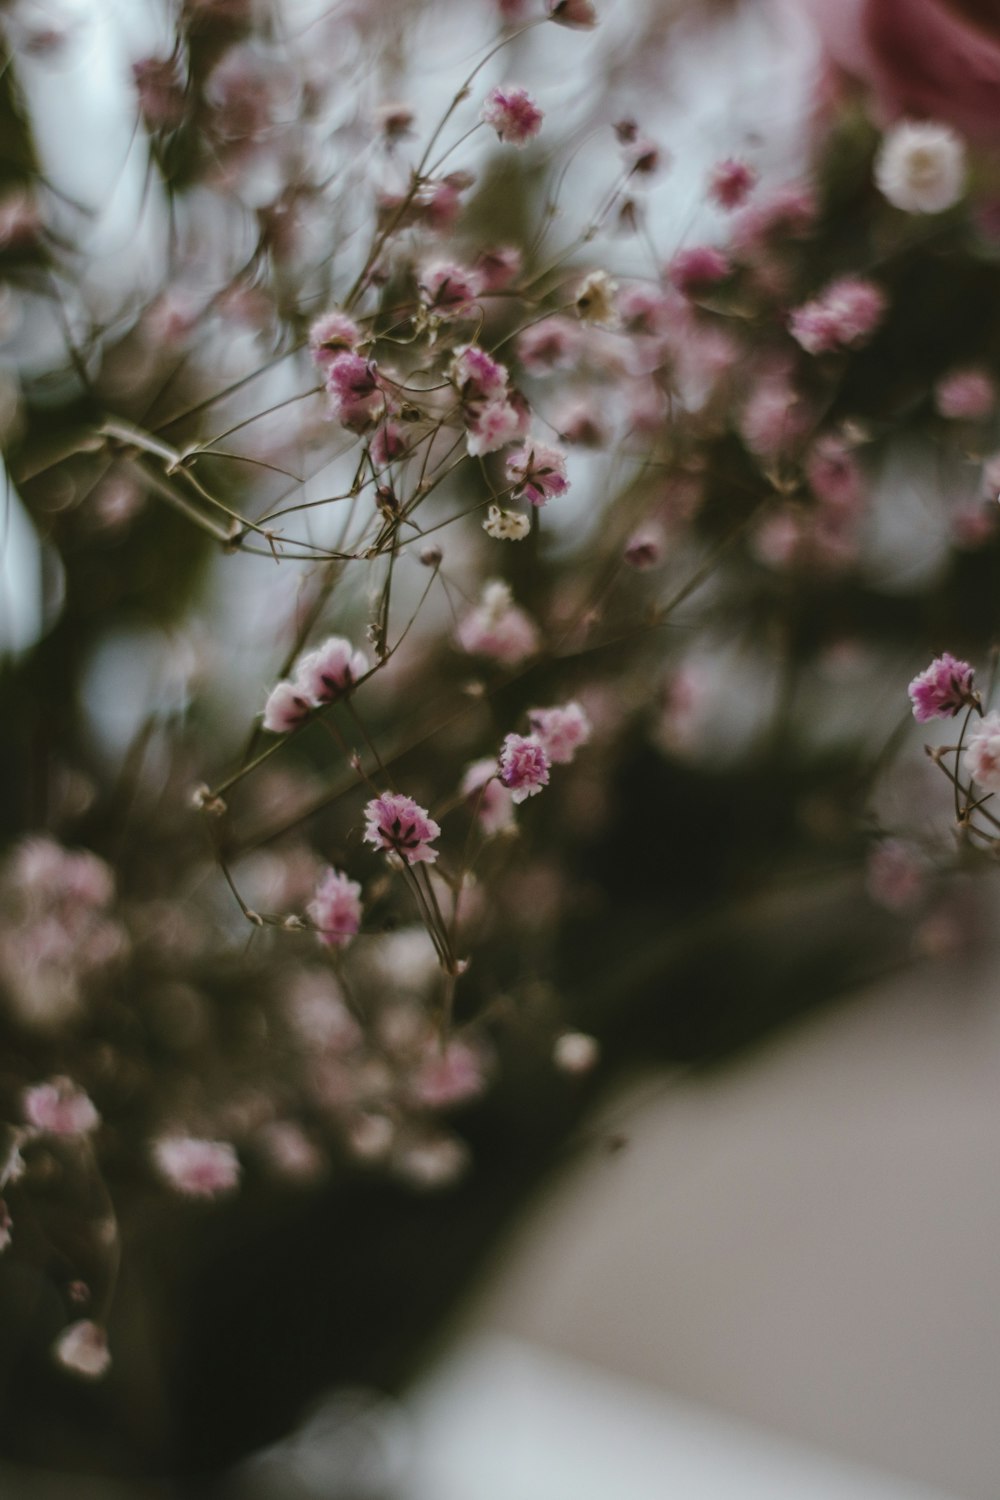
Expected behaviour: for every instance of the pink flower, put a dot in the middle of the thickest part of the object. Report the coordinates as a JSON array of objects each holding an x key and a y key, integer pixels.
[
  {"x": 401, "y": 826},
  {"x": 358, "y": 397},
  {"x": 730, "y": 183},
  {"x": 327, "y": 673},
  {"x": 560, "y": 731},
  {"x": 335, "y": 910},
  {"x": 448, "y": 1077},
  {"x": 833, "y": 474},
  {"x": 646, "y": 310},
  {"x": 965, "y": 395},
  {"x": 82, "y": 1347},
  {"x": 491, "y": 801},
  {"x": 286, "y": 708},
  {"x": 60, "y": 1108},
  {"x": 449, "y": 289},
  {"x": 943, "y": 689},
  {"x": 844, "y": 316},
  {"x": 579, "y": 14},
  {"x": 332, "y": 335},
  {"x": 552, "y": 344},
  {"x": 513, "y": 114},
  {"x": 498, "y": 267},
  {"x": 698, "y": 270},
  {"x": 896, "y": 875},
  {"x": 197, "y": 1168},
  {"x": 388, "y": 444},
  {"x": 775, "y": 418},
  {"x": 645, "y": 548},
  {"x": 982, "y": 753},
  {"x": 498, "y": 628},
  {"x": 789, "y": 212},
  {"x": 524, "y": 766},
  {"x": 580, "y": 424},
  {"x": 537, "y": 472},
  {"x": 478, "y": 376},
  {"x": 491, "y": 426}
]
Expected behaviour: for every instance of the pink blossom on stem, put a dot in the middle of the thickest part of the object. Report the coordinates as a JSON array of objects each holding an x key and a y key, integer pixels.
[
  {"x": 696, "y": 271},
  {"x": 326, "y": 674},
  {"x": 490, "y": 426},
  {"x": 513, "y": 114},
  {"x": 788, "y": 212},
  {"x": 646, "y": 310},
  {"x": 286, "y": 708},
  {"x": 730, "y": 183},
  {"x": 332, "y": 335},
  {"x": 537, "y": 471},
  {"x": 60, "y": 1108},
  {"x": 389, "y": 444},
  {"x": 524, "y": 766},
  {"x": 844, "y": 316},
  {"x": 497, "y": 627},
  {"x": 498, "y": 267},
  {"x": 449, "y": 289},
  {"x": 580, "y": 423},
  {"x": 489, "y": 798},
  {"x": 82, "y": 1348},
  {"x": 358, "y": 398},
  {"x": 335, "y": 910},
  {"x": 401, "y": 826},
  {"x": 195, "y": 1167},
  {"x": 965, "y": 395},
  {"x": 552, "y": 344},
  {"x": 478, "y": 376},
  {"x": 560, "y": 731},
  {"x": 943, "y": 689},
  {"x": 982, "y": 753}
]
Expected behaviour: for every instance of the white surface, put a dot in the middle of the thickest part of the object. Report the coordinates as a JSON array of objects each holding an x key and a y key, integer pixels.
[{"x": 503, "y": 1420}]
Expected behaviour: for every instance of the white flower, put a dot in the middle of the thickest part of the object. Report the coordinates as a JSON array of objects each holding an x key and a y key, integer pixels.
[
  {"x": 920, "y": 167},
  {"x": 595, "y": 299},
  {"x": 982, "y": 753},
  {"x": 83, "y": 1348},
  {"x": 506, "y": 525}
]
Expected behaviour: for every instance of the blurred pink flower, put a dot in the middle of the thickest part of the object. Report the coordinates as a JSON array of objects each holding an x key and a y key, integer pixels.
[
  {"x": 335, "y": 910},
  {"x": 490, "y": 799},
  {"x": 982, "y": 753},
  {"x": 498, "y": 628},
  {"x": 286, "y": 708},
  {"x": 560, "y": 731},
  {"x": 730, "y": 183},
  {"x": 965, "y": 395},
  {"x": 59, "y": 1107},
  {"x": 195, "y": 1167}
]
